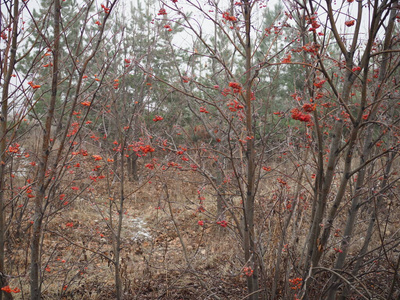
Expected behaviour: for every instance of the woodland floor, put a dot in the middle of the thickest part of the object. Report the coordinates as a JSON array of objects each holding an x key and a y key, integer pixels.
[{"x": 165, "y": 253}]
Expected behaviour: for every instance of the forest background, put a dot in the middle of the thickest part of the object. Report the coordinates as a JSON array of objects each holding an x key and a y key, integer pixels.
[{"x": 199, "y": 149}]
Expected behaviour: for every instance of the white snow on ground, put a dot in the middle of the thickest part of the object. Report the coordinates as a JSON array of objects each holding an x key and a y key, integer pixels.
[{"x": 136, "y": 229}]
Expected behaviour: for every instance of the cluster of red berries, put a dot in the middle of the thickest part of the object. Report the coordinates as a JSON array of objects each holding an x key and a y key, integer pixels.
[
  {"x": 34, "y": 86},
  {"x": 162, "y": 12},
  {"x": 237, "y": 88},
  {"x": 314, "y": 23},
  {"x": 228, "y": 17},
  {"x": 299, "y": 116},
  {"x": 158, "y": 118},
  {"x": 248, "y": 271},
  {"x": 222, "y": 223},
  {"x": 106, "y": 9},
  {"x": 296, "y": 282}
]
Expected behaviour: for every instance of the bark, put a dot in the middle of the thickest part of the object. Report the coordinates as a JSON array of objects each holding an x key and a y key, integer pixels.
[
  {"x": 8, "y": 69},
  {"x": 117, "y": 235},
  {"x": 355, "y": 204},
  {"x": 374, "y": 215},
  {"x": 120, "y": 208},
  {"x": 45, "y": 154},
  {"x": 283, "y": 236},
  {"x": 133, "y": 168},
  {"x": 249, "y": 232}
]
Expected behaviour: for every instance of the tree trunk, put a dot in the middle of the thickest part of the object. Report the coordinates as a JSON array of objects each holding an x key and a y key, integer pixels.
[
  {"x": 355, "y": 204},
  {"x": 117, "y": 234},
  {"x": 249, "y": 232},
  {"x": 8, "y": 70},
  {"x": 41, "y": 189}
]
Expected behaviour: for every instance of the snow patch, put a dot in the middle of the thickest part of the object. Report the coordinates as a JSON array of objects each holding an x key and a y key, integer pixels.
[{"x": 136, "y": 229}]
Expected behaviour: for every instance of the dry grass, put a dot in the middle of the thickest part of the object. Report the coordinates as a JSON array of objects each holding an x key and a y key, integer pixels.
[
  {"x": 155, "y": 262},
  {"x": 165, "y": 253}
]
